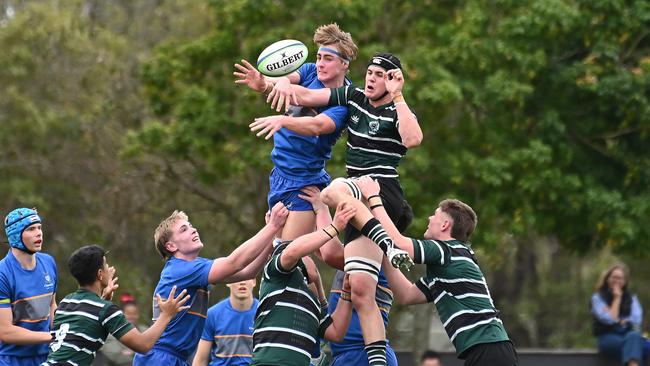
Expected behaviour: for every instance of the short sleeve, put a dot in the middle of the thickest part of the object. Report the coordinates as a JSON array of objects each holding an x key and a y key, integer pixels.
[
  {"x": 209, "y": 328},
  {"x": 430, "y": 252},
  {"x": 115, "y": 322},
  {"x": 307, "y": 73},
  {"x": 5, "y": 292},
  {"x": 341, "y": 95},
  {"x": 274, "y": 268},
  {"x": 338, "y": 114},
  {"x": 324, "y": 322},
  {"x": 423, "y": 285},
  {"x": 196, "y": 274}
]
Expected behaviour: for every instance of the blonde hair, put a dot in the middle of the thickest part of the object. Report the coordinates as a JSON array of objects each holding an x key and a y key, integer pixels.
[
  {"x": 331, "y": 34},
  {"x": 164, "y": 232}
]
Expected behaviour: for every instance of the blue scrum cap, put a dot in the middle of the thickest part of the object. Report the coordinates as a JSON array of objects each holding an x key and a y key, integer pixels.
[{"x": 16, "y": 222}]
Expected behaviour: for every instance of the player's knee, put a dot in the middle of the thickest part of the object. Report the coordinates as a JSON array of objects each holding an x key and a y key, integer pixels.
[{"x": 363, "y": 289}]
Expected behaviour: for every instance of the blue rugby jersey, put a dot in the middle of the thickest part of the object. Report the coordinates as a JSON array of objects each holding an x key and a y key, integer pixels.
[
  {"x": 29, "y": 294},
  {"x": 182, "y": 334},
  {"x": 298, "y": 156},
  {"x": 231, "y": 332}
]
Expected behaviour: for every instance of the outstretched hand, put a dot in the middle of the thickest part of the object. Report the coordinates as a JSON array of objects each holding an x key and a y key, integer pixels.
[
  {"x": 266, "y": 125},
  {"x": 344, "y": 213},
  {"x": 282, "y": 95},
  {"x": 107, "y": 292},
  {"x": 173, "y": 305},
  {"x": 368, "y": 186},
  {"x": 249, "y": 76}
]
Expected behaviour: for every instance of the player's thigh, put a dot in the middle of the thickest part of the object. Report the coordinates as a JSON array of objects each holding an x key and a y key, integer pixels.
[
  {"x": 365, "y": 248},
  {"x": 362, "y": 259},
  {"x": 298, "y": 223}
]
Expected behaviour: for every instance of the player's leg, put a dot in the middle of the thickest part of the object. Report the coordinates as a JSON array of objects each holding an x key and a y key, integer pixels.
[
  {"x": 346, "y": 190},
  {"x": 298, "y": 224},
  {"x": 301, "y": 219},
  {"x": 362, "y": 262}
]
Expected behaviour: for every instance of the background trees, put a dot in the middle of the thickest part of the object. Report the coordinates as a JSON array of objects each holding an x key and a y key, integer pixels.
[{"x": 535, "y": 112}]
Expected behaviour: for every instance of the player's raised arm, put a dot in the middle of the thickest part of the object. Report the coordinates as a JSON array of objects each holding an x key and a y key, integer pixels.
[
  {"x": 224, "y": 267},
  {"x": 404, "y": 291},
  {"x": 248, "y": 75},
  {"x": 142, "y": 342},
  {"x": 341, "y": 315},
  {"x": 306, "y": 244},
  {"x": 305, "y": 97},
  {"x": 408, "y": 127},
  {"x": 370, "y": 191}
]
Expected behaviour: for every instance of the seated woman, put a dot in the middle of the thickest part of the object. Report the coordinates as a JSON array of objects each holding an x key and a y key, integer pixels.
[{"x": 617, "y": 316}]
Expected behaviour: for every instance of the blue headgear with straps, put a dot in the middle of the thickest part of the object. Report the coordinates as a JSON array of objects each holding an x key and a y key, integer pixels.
[{"x": 16, "y": 222}]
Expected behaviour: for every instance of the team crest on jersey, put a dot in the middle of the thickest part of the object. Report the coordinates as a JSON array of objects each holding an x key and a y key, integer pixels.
[
  {"x": 374, "y": 127},
  {"x": 355, "y": 119}
]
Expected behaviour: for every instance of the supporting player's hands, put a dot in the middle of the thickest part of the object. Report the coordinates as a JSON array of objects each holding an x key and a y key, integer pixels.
[
  {"x": 107, "y": 292},
  {"x": 394, "y": 80},
  {"x": 368, "y": 186},
  {"x": 282, "y": 95},
  {"x": 311, "y": 194},
  {"x": 249, "y": 76},
  {"x": 267, "y": 125},
  {"x": 344, "y": 212},
  {"x": 346, "y": 283},
  {"x": 279, "y": 215},
  {"x": 173, "y": 304}
]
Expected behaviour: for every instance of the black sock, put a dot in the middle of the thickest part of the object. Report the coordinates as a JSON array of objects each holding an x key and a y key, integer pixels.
[
  {"x": 376, "y": 353},
  {"x": 375, "y": 232}
]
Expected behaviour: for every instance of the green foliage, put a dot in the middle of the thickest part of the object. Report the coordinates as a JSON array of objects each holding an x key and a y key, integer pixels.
[{"x": 535, "y": 112}]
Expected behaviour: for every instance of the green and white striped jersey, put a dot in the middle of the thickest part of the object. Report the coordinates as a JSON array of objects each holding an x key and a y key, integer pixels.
[
  {"x": 374, "y": 144},
  {"x": 455, "y": 283},
  {"x": 82, "y": 322},
  {"x": 289, "y": 320}
]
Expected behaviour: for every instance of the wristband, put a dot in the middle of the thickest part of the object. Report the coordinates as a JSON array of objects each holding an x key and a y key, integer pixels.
[
  {"x": 329, "y": 233},
  {"x": 374, "y": 201},
  {"x": 373, "y": 196},
  {"x": 375, "y": 206}
]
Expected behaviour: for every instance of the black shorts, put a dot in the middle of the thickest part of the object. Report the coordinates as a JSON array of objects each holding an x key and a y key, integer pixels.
[
  {"x": 392, "y": 197},
  {"x": 491, "y": 354}
]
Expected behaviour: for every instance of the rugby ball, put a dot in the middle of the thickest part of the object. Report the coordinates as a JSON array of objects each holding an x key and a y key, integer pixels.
[{"x": 282, "y": 58}]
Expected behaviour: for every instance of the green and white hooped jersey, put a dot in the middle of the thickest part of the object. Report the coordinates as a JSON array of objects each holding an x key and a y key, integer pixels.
[
  {"x": 82, "y": 322},
  {"x": 374, "y": 144},
  {"x": 455, "y": 283},
  {"x": 289, "y": 319}
]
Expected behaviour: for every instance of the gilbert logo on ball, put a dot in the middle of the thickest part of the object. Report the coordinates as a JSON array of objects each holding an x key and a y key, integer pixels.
[{"x": 282, "y": 58}]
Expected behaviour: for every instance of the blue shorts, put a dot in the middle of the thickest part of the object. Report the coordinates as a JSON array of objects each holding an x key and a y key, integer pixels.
[
  {"x": 158, "y": 357},
  {"x": 360, "y": 358},
  {"x": 27, "y": 361},
  {"x": 286, "y": 190}
]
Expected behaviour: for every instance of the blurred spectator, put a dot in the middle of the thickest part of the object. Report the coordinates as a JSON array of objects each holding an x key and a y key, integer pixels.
[
  {"x": 115, "y": 353},
  {"x": 617, "y": 316},
  {"x": 430, "y": 358}
]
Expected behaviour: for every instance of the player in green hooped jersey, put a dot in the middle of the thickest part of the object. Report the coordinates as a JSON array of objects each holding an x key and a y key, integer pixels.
[
  {"x": 291, "y": 318},
  {"x": 84, "y": 318},
  {"x": 453, "y": 281}
]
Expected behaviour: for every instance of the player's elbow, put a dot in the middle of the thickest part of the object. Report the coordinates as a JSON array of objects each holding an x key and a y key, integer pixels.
[{"x": 412, "y": 141}]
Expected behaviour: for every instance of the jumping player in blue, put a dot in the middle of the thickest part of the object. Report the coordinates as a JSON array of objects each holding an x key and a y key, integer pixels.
[
  {"x": 303, "y": 137},
  {"x": 179, "y": 243},
  {"x": 28, "y": 281}
]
